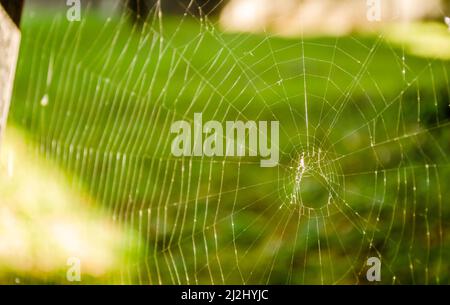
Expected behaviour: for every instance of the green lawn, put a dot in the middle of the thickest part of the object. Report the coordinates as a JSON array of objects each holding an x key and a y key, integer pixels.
[{"x": 97, "y": 98}]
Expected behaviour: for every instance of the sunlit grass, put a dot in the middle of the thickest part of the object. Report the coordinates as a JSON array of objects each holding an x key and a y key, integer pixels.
[
  {"x": 431, "y": 40},
  {"x": 43, "y": 223}
]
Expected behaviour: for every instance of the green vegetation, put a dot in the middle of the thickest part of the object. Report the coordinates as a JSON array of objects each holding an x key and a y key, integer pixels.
[{"x": 97, "y": 98}]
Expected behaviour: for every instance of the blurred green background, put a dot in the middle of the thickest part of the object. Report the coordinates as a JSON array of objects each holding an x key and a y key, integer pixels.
[{"x": 93, "y": 103}]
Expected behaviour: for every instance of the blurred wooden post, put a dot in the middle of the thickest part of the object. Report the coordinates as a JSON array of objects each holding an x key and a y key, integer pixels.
[{"x": 10, "y": 12}]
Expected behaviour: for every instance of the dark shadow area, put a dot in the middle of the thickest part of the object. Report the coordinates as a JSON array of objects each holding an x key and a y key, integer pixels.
[{"x": 14, "y": 9}]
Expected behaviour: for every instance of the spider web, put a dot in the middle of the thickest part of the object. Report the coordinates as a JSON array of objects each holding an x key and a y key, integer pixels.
[{"x": 364, "y": 144}]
